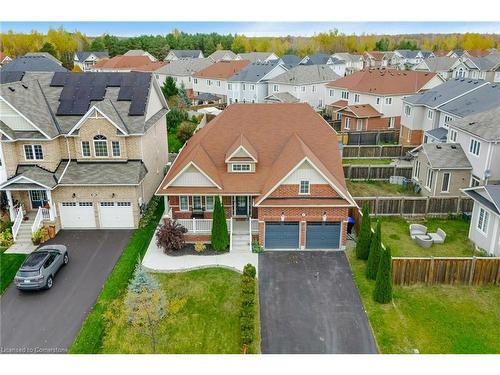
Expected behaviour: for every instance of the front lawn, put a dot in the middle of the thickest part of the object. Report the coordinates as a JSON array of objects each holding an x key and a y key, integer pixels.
[
  {"x": 208, "y": 322},
  {"x": 9, "y": 264},
  {"x": 396, "y": 235},
  {"x": 377, "y": 189},
  {"x": 437, "y": 319},
  {"x": 366, "y": 161}
]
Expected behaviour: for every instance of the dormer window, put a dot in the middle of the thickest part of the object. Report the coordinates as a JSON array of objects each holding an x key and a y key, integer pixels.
[
  {"x": 100, "y": 146},
  {"x": 240, "y": 167}
]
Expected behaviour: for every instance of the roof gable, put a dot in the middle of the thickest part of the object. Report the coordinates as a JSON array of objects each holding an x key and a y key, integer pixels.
[
  {"x": 192, "y": 175},
  {"x": 241, "y": 148}
]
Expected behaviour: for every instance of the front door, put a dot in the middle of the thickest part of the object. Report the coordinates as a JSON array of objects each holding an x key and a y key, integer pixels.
[
  {"x": 38, "y": 198},
  {"x": 241, "y": 203}
]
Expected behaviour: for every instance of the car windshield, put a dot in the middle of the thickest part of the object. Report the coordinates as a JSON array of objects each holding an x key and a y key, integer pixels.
[{"x": 35, "y": 259}]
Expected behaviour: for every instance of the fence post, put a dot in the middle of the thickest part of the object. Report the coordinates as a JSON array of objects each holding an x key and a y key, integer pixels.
[
  {"x": 401, "y": 209},
  {"x": 427, "y": 205},
  {"x": 459, "y": 201},
  {"x": 430, "y": 280},
  {"x": 472, "y": 270},
  {"x": 194, "y": 225}
]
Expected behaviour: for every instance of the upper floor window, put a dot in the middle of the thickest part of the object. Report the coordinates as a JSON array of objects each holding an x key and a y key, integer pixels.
[
  {"x": 313, "y": 88},
  {"x": 378, "y": 100},
  {"x": 304, "y": 187},
  {"x": 115, "y": 146},
  {"x": 430, "y": 114},
  {"x": 303, "y": 88},
  {"x": 86, "y": 149},
  {"x": 391, "y": 122},
  {"x": 243, "y": 87},
  {"x": 407, "y": 110},
  {"x": 275, "y": 88},
  {"x": 229, "y": 86},
  {"x": 345, "y": 94},
  {"x": 33, "y": 152},
  {"x": 356, "y": 98},
  {"x": 388, "y": 101},
  {"x": 209, "y": 82},
  {"x": 195, "y": 80},
  {"x": 218, "y": 83},
  {"x": 347, "y": 123},
  {"x": 453, "y": 135},
  {"x": 331, "y": 92},
  {"x": 100, "y": 146},
  {"x": 474, "y": 147},
  {"x": 240, "y": 167},
  {"x": 252, "y": 87}
]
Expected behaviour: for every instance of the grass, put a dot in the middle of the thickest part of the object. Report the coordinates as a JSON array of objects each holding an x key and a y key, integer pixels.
[
  {"x": 377, "y": 189},
  {"x": 208, "y": 322},
  {"x": 89, "y": 339},
  {"x": 9, "y": 264},
  {"x": 437, "y": 319},
  {"x": 174, "y": 145},
  {"x": 396, "y": 235},
  {"x": 366, "y": 161}
]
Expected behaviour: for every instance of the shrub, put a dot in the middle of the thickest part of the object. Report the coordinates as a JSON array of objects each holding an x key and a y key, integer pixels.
[
  {"x": 174, "y": 118},
  {"x": 185, "y": 131},
  {"x": 249, "y": 270},
  {"x": 220, "y": 237},
  {"x": 364, "y": 237},
  {"x": 149, "y": 214},
  {"x": 374, "y": 256},
  {"x": 199, "y": 247},
  {"x": 256, "y": 247},
  {"x": 169, "y": 88},
  {"x": 383, "y": 285},
  {"x": 38, "y": 237},
  {"x": 170, "y": 236},
  {"x": 7, "y": 224},
  {"x": 248, "y": 305},
  {"x": 6, "y": 238}
]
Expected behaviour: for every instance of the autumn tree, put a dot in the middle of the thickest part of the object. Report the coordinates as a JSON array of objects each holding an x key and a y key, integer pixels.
[{"x": 49, "y": 48}]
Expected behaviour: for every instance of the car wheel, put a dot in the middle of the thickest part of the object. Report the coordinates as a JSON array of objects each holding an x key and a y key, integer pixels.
[
  {"x": 50, "y": 282},
  {"x": 65, "y": 259}
]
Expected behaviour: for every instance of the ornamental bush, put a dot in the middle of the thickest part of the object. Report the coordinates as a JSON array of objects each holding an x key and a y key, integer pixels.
[
  {"x": 383, "y": 285},
  {"x": 364, "y": 235},
  {"x": 248, "y": 305},
  {"x": 170, "y": 236},
  {"x": 220, "y": 237},
  {"x": 374, "y": 256}
]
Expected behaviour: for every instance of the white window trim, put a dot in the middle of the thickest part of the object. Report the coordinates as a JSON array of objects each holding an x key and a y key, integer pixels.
[
  {"x": 90, "y": 150},
  {"x": 119, "y": 150},
  {"x": 241, "y": 171},
  {"x": 206, "y": 204},
  {"x": 308, "y": 187},
  {"x": 472, "y": 149},
  {"x": 201, "y": 202},
  {"x": 484, "y": 225},
  {"x": 32, "y": 146},
  {"x": 416, "y": 172},
  {"x": 347, "y": 124},
  {"x": 430, "y": 114},
  {"x": 429, "y": 176},
  {"x": 180, "y": 204},
  {"x": 95, "y": 148},
  {"x": 449, "y": 182}
]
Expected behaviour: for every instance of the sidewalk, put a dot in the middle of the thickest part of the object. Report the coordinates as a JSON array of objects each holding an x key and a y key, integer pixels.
[{"x": 157, "y": 261}]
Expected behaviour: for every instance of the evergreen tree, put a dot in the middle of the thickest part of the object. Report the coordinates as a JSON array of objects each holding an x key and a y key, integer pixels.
[
  {"x": 383, "y": 285},
  {"x": 49, "y": 48},
  {"x": 97, "y": 45},
  {"x": 169, "y": 88},
  {"x": 374, "y": 255},
  {"x": 220, "y": 237},
  {"x": 364, "y": 236}
]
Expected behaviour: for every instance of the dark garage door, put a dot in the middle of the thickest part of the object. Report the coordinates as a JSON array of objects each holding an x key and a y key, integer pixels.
[
  {"x": 282, "y": 235},
  {"x": 323, "y": 235}
]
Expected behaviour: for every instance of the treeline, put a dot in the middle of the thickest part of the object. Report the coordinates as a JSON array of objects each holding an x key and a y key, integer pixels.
[{"x": 62, "y": 44}]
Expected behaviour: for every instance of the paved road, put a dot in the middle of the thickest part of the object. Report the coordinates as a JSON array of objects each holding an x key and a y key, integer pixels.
[
  {"x": 310, "y": 304},
  {"x": 48, "y": 321}
]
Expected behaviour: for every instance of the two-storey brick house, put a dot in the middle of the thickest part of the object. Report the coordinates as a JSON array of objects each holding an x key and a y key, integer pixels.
[
  {"x": 82, "y": 150},
  {"x": 278, "y": 170}
]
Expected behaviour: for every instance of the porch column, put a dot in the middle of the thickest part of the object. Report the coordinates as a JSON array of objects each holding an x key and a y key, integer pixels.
[
  {"x": 52, "y": 209},
  {"x": 12, "y": 213}
]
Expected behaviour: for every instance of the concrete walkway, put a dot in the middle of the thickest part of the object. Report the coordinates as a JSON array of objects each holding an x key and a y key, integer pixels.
[{"x": 157, "y": 261}]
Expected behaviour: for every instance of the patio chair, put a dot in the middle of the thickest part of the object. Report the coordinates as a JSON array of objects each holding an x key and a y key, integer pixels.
[
  {"x": 439, "y": 236},
  {"x": 416, "y": 229},
  {"x": 423, "y": 240}
]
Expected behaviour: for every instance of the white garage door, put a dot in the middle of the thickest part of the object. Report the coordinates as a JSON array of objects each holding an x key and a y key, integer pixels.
[
  {"x": 77, "y": 215},
  {"x": 116, "y": 215}
]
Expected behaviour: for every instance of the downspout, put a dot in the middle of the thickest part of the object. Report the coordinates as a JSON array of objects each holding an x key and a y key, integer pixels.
[{"x": 69, "y": 161}]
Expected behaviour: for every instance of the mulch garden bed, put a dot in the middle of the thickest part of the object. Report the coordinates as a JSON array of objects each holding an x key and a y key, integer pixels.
[{"x": 189, "y": 250}]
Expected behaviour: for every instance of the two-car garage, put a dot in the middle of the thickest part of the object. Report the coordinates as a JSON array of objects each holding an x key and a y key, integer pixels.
[
  {"x": 110, "y": 215},
  {"x": 320, "y": 235}
]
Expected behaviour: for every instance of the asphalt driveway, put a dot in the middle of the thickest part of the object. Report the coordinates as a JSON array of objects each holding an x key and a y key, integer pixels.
[
  {"x": 310, "y": 304},
  {"x": 48, "y": 321}
]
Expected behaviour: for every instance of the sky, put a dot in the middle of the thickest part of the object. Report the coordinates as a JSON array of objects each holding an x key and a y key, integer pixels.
[{"x": 255, "y": 28}]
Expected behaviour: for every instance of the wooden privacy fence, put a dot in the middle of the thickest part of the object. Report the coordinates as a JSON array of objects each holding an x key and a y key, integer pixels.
[
  {"x": 416, "y": 206},
  {"x": 430, "y": 271},
  {"x": 375, "y": 151},
  {"x": 375, "y": 172}
]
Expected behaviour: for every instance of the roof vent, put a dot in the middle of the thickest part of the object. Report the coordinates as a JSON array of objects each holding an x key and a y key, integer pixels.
[
  {"x": 453, "y": 147},
  {"x": 438, "y": 147},
  {"x": 472, "y": 123},
  {"x": 12, "y": 89},
  {"x": 25, "y": 86}
]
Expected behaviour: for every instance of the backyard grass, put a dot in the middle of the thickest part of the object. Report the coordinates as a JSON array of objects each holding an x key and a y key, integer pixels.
[
  {"x": 437, "y": 319},
  {"x": 208, "y": 322},
  {"x": 377, "y": 189},
  {"x": 396, "y": 235},
  {"x": 9, "y": 264},
  {"x": 366, "y": 161}
]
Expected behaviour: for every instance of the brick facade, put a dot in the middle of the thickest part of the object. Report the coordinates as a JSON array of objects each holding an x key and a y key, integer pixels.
[
  {"x": 369, "y": 124},
  {"x": 408, "y": 136},
  {"x": 292, "y": 191}
]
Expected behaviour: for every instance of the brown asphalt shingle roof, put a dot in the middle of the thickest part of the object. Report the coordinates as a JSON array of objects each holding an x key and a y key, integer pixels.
[
  {"x": 142, "y": 63},
  {"x": 222, "y": 69}
]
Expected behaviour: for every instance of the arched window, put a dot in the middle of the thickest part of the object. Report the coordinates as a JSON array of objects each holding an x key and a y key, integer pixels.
[{"x": 100, "y": 146}]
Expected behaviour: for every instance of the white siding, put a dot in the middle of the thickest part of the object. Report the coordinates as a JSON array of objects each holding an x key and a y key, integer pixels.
[
  {"x": 192, "y": 177},
  {"x": 154, "y": 102},
  {"x": 305, "y": 172},
  {"x": 489, "y": 241},
  {"x": 12, "y": 119}
]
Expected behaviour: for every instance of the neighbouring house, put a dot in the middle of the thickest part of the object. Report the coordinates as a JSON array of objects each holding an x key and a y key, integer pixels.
[
  {"x": 257, "y": 56},
  {"x": 477, "y": 68},
  {"x": 250, "y": 84},
  {"x": 14, "y": 70},
  {"x": 456, "y": 53},
  {"x": 220, "y": 55},
  {"x": 441, "y": 65},
  {"x": 290, "y": 61},
  {"x": 81, "y": 150},
  {"x": 422, "y": 120},
  {"x": 353, "y": 63},
  {"x": 338, "y": 66},
  {"x": 182, "y": 71},
  {"x": 377, "y": 93},
  {"x": 124, "y": 63},
  {"x": 281, "y": 97},
  {"x": 317, "y": 59},
  {"x": 140, "y": 52},
  {"x": 177, "y": 54},
  {"x": 214, "y": 78},
  {"x": 44, "y": 54},
  {"x": 441, "y": 169},
  {"x": 304, "y": 83},
  {"x": 479, "y": 135},
  {"x": 85, "y": 60},
  {"x": 278, "y": 170},
  {"x": 484, "y": 230},
  {"x": 4, "y": 59},
  {"x": 404, "y": 58},
  {"x": 373, "y": 59}
]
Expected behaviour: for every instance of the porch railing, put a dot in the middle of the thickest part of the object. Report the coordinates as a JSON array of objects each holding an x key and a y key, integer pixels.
[
  {"x": 254, "y": 225},
  {"x": 41, "y": 215},
  {"x": 17, "y": 222},
  {"x": 199, "y": 225}
]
